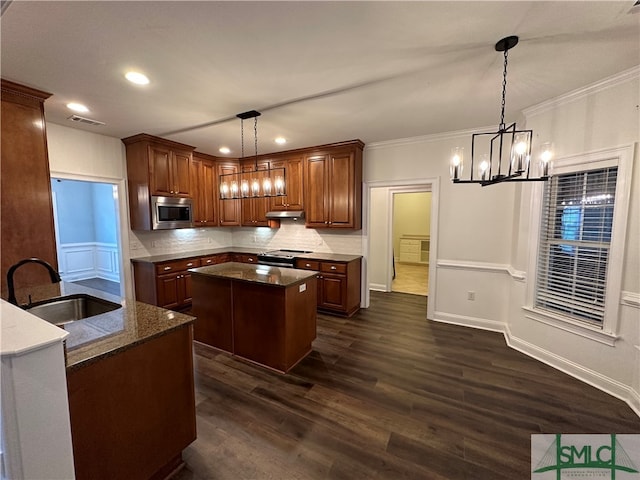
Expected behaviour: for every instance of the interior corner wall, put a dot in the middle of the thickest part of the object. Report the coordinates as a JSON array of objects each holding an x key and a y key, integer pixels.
[
  {"x": 595, "y": 119},
  {"x": 473, "y": 233}
]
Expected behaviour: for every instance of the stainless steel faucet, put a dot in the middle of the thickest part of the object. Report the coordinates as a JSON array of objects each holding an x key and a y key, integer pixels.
[{"x": 55, "y": 276}]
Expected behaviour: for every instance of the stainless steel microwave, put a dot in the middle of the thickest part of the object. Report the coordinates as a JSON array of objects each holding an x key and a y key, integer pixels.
[{"x": 171, "y": 212}]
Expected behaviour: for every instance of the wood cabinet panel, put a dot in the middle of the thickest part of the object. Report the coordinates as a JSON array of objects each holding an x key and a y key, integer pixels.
[
  {"x": 214, "y": 325},
  {"x": 333, "y": 291},
  {"x": 160, "y": 170},
  {"x": 342, "y": 189},
  {"x": 181, "y": 173},
  {"x": 133, "y": 413},
  {"x": 333, "y": 187},
  {"x": 316, "y": 214},
  {"x": 25, "y": 187},
  {"x": 229, "y": 209},
  {"x": 293, "y": 200},
  {"x": 204, "y": 180}
]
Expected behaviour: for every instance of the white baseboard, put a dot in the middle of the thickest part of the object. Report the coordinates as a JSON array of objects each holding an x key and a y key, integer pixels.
[
  {"x": 378, "y": 287},
  {"x": 466, "y": 321},
  {"x": 586, "y": 375}
]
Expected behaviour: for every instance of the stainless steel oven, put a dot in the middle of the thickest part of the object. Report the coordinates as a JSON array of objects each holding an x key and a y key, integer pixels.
[
  {"x": 279, "y": 258},
  {"x": 171, "y": 212}
]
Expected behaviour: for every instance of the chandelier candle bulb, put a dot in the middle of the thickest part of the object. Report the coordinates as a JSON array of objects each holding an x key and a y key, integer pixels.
[
  {"x": 546, "y": 154},
  {"x": 483, "y": 168},
  {"x": 457, "y": 157}
]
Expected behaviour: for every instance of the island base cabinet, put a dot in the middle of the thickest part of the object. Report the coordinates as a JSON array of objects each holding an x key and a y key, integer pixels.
[
  {"x": 273, "y": 326},
  {"x": 133, "y": 413},
  {"x": 212, "y": 308},
  {"x": 280, "y": 331}
]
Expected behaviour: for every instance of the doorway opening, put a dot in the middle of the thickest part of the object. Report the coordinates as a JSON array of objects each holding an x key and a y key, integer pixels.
[
  {"x": 378, "y": 244},
  {"x": 411, "y": 233},
  {"x": 86, "y": 225}
]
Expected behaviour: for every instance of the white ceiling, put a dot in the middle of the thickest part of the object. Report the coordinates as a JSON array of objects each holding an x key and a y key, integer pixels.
[{"x": 320, "y": 72}]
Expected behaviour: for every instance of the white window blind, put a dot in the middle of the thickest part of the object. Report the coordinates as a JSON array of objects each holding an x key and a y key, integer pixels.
[{"x": 575, "y": 240}]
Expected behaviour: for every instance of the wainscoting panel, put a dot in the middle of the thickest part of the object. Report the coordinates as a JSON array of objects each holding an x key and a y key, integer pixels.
[{"x": 80, "y": 261}]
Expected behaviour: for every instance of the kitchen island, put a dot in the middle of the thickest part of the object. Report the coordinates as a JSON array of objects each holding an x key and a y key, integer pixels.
[
  {"x": 130, "y": 386},
  {"x": 263, "y": 314}
]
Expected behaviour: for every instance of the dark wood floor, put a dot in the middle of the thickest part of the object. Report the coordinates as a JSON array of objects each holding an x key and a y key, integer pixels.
[
  {"x": 387, "y": 394},
  {"x": 101, "y": 284}
]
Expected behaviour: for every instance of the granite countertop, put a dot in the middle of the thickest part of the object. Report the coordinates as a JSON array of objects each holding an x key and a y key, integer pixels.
[
  {"x": 167, "y": 257},
  {"x": 274, "y": 276},
  {"x": 332, "y": 257},
  {"x": 108, "y": 333}
]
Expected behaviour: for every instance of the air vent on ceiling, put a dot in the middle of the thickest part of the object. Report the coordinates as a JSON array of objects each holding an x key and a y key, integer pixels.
[{"x": 86, "y": 121}]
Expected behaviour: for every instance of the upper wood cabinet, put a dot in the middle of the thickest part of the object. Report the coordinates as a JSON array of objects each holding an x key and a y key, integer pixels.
[
  {"x": 229, "y": 211},
  {"x": 333, "y": 187},
  {"x": 27, "y": 212},
  {"x": 169, "y": 171},
  {"x": 254, "y": 210},
  {"x": 204, "y": 181},
  {"x": 294, "y": 184},
  {"x": 155, "y": 166}
]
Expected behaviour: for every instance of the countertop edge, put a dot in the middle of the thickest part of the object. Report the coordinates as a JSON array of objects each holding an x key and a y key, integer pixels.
[{"x": 89, "y": 361}]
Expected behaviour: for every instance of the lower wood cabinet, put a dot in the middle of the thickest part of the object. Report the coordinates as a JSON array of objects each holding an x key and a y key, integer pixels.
[
  {"x": 133, "y": 413},
  {"x": 166, "y": 284},
  {"x": 338, "y": 284}
]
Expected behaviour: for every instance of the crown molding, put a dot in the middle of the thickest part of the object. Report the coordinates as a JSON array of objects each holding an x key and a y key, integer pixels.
[
  {"x": 433, "y": 137},
  {"x": 574, "y": 95}
]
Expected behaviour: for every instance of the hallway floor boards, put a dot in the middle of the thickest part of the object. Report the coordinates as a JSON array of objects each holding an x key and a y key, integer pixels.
[{"x": 387, "y": 394}]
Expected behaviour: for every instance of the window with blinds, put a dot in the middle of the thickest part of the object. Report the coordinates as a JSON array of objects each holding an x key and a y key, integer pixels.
[{"x": 575, "y": 239}]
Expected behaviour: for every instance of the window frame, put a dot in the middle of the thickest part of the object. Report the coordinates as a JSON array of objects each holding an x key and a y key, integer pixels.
[{"x": 622, "y": 158}]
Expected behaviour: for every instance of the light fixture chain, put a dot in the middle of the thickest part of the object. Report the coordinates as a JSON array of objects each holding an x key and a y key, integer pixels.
[
  {"x": 242, "y": 136},
  {"x": 504, "y": 90},
  {"x": 255, "y": 136}
]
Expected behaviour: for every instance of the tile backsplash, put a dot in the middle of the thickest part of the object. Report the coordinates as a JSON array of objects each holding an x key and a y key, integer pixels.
[{"x": 291, "y": 234}]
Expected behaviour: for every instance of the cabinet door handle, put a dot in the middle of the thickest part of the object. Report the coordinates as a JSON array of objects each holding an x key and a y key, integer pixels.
[
  {"x": 167, "y": 269},
  {"x": 333, "y": 267}
]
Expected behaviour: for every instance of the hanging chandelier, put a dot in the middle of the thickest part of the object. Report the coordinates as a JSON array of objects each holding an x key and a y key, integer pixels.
[
  {"x": 258, "y": 182},
  {"x": 505, "y": 155}
]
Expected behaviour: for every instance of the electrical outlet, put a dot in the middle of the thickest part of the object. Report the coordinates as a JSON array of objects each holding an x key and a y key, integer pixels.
[{"x": 471, "y": 296}]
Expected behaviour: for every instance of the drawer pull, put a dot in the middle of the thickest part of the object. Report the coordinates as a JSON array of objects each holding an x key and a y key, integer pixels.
[
  {"x": 333, "y": 267},
  {"x": 251, "y": 259},
  {"x": 189, "y": 264},
  {"x": 209, "y": 261},
  {"x": 167, "y": 268},
  {"x": 307, "y": 265}
]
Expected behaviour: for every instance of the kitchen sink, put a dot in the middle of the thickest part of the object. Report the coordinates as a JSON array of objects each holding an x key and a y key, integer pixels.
[{"x": 68, "y": 309}]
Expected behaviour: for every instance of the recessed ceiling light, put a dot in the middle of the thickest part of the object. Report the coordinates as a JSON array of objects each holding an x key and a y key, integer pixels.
[
  {"x": 225, "y": 150},
  {"x": 77, "y": 107},
  {"x": 137, "y": 78},
  {"x": 281, "y": 140}
]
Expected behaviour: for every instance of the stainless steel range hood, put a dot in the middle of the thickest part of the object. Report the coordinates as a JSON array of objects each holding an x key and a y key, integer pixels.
[{"x": 295, "y": 214}]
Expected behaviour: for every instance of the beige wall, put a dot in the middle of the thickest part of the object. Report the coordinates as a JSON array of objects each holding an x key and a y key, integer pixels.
[{"x": 411, "y": 216}]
